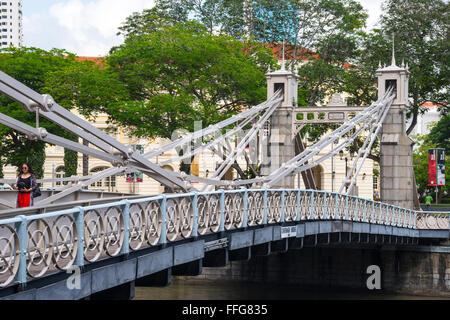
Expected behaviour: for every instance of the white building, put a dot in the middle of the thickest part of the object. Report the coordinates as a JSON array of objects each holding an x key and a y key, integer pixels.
[
  {"x": 424, "y": 121},
  {"x": 11, "y": 23}
]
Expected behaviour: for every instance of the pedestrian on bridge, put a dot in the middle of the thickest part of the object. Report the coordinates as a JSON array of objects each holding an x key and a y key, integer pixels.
[
  {"x": 26, "y": 183},
  {"x": 428, "y": 200}
]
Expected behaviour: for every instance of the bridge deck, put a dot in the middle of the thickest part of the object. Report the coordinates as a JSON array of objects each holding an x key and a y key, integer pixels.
[{"x": 36, "y": 248}]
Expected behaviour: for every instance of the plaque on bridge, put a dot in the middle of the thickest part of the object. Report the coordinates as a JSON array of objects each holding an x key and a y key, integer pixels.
[
  {"x": 336, "y": 116},
  {"x": 288, "y": 232}
]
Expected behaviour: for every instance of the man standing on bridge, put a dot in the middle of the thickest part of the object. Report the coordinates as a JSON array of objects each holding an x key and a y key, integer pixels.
[{"x": 428, "y": 200}]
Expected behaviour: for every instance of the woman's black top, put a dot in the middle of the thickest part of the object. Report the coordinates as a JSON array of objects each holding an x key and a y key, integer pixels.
[{"x": 24, "y": 183}]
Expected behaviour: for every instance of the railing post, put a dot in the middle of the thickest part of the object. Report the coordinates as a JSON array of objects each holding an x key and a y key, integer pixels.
[
  {"x": 356, "y": 213},
  {"x": 298, "y": 205},
  {"x": 325, "y": 206},
  {"x": 79, "y": 221},
  {"x": 195, "y": 210},
  {"x": 23, "y": 242},
  {"x": 346, "y": 207},
  {"x": 283, "y": 206},
  {"x": 311, "y": 214},
  {"x": 222, "y": 211},
  {"x": 265, "y": 207},
  {"x": 126, "y": 226},
  {"x": 163, "y": 237},
  {"x": 244, "y": 219}
]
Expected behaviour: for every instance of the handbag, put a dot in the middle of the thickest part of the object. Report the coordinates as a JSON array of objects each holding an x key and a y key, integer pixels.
[{"x": 36, "y": 192}]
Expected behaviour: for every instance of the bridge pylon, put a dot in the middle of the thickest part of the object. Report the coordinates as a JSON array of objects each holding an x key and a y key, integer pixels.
[
  {"x": 396, "y": 148},
  {"x": 278, "y": 141}
]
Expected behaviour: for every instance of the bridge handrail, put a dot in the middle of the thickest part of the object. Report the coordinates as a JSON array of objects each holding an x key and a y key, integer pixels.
[{"x": 35, "y": 245}]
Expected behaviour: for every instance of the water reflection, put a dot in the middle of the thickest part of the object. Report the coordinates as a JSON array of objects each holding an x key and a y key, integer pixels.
[{"x": 192, "y": 289}]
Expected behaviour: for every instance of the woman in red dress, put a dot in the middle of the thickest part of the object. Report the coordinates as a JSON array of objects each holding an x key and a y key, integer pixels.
[{"x": 26, "y": 183}]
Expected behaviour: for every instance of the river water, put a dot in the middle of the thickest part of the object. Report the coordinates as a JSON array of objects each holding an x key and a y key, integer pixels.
[{"x": 191, "y": 289}]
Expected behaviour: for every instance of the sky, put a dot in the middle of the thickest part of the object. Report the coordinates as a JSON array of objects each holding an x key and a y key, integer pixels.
[{"x": 89, "y": 27}]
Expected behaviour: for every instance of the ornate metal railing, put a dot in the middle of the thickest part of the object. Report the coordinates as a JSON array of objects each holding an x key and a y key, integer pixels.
[{"x": 32, "y": 246}]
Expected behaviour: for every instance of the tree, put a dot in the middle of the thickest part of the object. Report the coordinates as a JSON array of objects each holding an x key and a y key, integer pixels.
[
  {"x": 90, "y": 88},
  {"x": 180, "y": 73},
  {"x": 440, "y": 134},
  {"x": 29, "y": 66},
  {"x": 420, "y": 163},
  {"x": 72, "y": 83},
  {"x": 421, "y": 32}
]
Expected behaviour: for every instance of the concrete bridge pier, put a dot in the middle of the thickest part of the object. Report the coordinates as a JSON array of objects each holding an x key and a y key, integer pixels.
[
  {"x": 121, "y": 292},
  {"x": 159, "y": 279},
  {"x": 216, "y": 258},
  {"x": 193, "y": 268}
]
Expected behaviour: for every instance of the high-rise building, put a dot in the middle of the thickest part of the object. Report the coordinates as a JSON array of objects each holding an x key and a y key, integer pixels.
[{"x": 11, "y": 23}]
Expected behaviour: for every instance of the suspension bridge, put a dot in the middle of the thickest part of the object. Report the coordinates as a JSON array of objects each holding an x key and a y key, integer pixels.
[{"x": 119, "y": 241}]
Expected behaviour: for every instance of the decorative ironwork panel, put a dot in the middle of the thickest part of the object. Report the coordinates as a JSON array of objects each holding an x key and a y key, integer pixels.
[
  {"x": 114, "y": 231},
  {"x": 432, "y": 221},
  {"x": 255, "y": 208},
  {"x": 274, "y": 207},
  {"x": 305, "y": 205},
  {"x": 203, "y": 214},
  {"x": 318, "y": 205},
  {"x": 173, "y": 220},
  {"x": 153, "y": 222},
  {"x": 65, "y": 241},
  {"x": 341, "y": 206},
  {"x": 137, "y": 226},
  {"x": 290, "y": 205},
  {"x": 39, "y": 248},
  {"x": 351, "y": 208},
  {"x": 214, "y": 212},
  {"x": 9, "y": 254},
  {"x": 186, "y": 215}
]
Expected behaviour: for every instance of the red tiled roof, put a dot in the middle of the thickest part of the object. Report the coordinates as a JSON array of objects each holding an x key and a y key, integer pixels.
[
  {"x": 429, "y": 104},
  {"x": 96, "y": 60}
]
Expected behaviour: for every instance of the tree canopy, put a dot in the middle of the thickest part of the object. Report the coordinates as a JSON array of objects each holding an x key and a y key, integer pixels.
[
  {"x": 178, "y": 73},
  {"x": 72, "y": 83}
]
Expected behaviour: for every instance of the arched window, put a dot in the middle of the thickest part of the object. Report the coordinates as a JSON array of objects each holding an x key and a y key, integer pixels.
[
  {"x": 108, "y": 182},
  {"x": 59, "y": 173}
]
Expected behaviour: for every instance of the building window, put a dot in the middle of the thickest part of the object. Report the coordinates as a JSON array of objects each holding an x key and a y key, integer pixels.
[
  {"x": 108, "y": 182},
  {"x": 59, "y": 174},
  {"x": 375, "y": 182}
]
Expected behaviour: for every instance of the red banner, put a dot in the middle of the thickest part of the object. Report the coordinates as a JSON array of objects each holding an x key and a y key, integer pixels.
[{"x": 432, "y": 167}]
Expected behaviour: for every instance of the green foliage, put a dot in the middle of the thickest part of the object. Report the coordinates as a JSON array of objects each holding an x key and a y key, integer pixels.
[
  {"x": 178, "y": 73},
  {"x": 440, "y": 134},
  {"x": 72, "y": 83},
  {"x": 36, "y": 159},
  {"x": 421, "y": 31},
  {"x": 420, "y": 163},
  {"x": 70, "y": 159},
  {"x": 29, "y": 66},
  {"x": 89, "y": 87}
]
